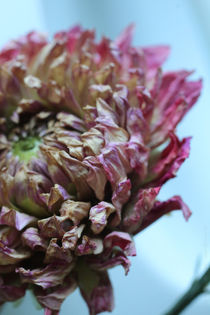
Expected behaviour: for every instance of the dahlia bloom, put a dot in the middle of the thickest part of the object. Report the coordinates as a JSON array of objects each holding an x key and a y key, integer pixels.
[{"x": 87, "y": 139}]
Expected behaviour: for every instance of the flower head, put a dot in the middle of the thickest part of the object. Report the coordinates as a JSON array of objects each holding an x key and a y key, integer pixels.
[{"x": 87, "y": 139}]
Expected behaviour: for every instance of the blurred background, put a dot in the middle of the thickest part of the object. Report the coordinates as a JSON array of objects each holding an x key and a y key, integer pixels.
[{"x": 171, "y": 252}]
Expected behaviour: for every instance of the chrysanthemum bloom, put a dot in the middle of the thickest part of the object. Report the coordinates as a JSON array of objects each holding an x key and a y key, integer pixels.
[{"x": 87, "y": 139}]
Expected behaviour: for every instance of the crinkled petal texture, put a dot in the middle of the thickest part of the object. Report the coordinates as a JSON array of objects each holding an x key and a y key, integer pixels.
[{"x": 87, "y": 139}]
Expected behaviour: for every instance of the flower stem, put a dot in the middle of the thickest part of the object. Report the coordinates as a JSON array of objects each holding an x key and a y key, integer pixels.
[{"x": 197, "y": 288}]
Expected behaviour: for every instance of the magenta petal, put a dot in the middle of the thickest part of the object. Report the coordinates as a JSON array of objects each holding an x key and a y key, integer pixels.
[
  {"x": 10, "y": 256},
  {"x": 96, "y": 177},
  {"x": 161, "y": 208},
  {"x": 32, "y": 238},
  {"x": 87, "y": 139},
  {"x": 47, "y": 277},
  {"x": 155, "y": 57},
  {"x": 138, "y": 208},
  {"x": 99, "y": 215},
  {"x": 122, "y": 240},
  {"x": 97, "y": 291},
  {"x": 9, "y": 236},
  {"x": 53, "y": 299},
  {"x": 15, "y": 218},
  {"x": 103, "y": 262},
  {"x": 28, "y": 45},
  {"x": 123, "y": 41},
  {"x": 10, "y": 292},
  {"x": 171, "y": 159}
]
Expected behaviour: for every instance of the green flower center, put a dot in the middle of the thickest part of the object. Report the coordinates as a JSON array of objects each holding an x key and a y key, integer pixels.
[{"x": 26, "y": 148}]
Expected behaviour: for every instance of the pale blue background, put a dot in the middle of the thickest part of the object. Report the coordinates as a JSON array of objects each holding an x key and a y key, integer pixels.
[{"x": 170, "y": 252}]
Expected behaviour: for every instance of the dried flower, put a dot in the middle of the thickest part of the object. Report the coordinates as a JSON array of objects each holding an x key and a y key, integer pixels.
[{"x": 87, "y": 139}]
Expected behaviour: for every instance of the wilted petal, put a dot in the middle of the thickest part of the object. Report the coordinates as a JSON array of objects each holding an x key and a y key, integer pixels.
[
  {"x": 15, "y": 218},
  {"x": 75, "y": 210},
  {"x": 77, "y": 172},
  {"x": 155, "y": 57},
  {"x": 123, "y": 41},
  {"x": 54, "y": 226},
  {"x": 53, "y": 300},
  {"x": 172, "y": 106},
  {"x": 71, "y": 237},
  {"x": 111, "y": 131},
  {"x": 50, "y": 276},
  {"x": 170, "y": 160},
  {"x": 96, "y": 289},
  {"x": 105, "y": 263},
  {"x": 122, "y": 240},
  {"x": 55, "y": 253},
  {"x": 105, "y": 111},
  {"x": 32, "y": 238},
  {"x": 28, "y": 45},
  {"x": 138, "y": 208},
  {"x": 161, "y": 208},
  {"x": 10, "y": 292},
  {"x": 71, "y": 121},
  {"x": 96, "y": 177},
  {"x": 99, "y": 215},
  {"x": 27, "y": 189},
  {"x": 89, "y": 246},
  {"x": 12, "y": 256},
  {"x": 115, "y": 164},
  {"x": 87, "y": 139},
  {"x": 138, "y": 155},
  {"x": 56, "y": 197},
  {"x": 9, "y": 236},
  {"x": 93, "y": 141}
]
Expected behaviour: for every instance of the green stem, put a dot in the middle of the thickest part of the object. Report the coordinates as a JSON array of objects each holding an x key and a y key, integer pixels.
[{"x": 197, "y": 288}]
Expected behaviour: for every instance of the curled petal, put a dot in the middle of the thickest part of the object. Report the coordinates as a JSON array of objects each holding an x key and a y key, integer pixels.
[
  {"x": 172, "y": 106},
  {"x": 93, "y": 141},
  {"x": 15, "y": 218},
  {"x": 10, "y": 256},
  {"x": 52, "y": 300},
  {"x": 75, "y": 210},
  {"x": 123, "y": 41},
  {"x": 138, "y": 208},
  {"x": 115, "y": 164},
  {"x": 55, "y": 253},
  {"x": 77, "y": 172},
  {"x": 99, "y": 215},
  {"x": 155, "y": 57},
  {"x": 122, "y": 240},
  {"x": 28, "y": 45},
  {"x": 70, "y": 120},
  {"x": 96, "y": 289},
  {"x": 105, "y": 111},
  {"x": 26, "y": 191},
  {"x": 120, "y": 197},
  {"x": 89, "y": 246},
  {"x": 56, "y": 197},
  {"x": 161, "y": 208},
  {"x": 105, "y": 263},
  {"x": 32, "y": 238},
  {"x": 138, "y": 155},
  {"x": 171, "y": 159},
  {"x": 71, "y": 237},
  {"x": 54, "y": 226},
  {"x": 9, "y": 236},
  {"x": 96, "y": 177},
  {"x": 10, "y": 292},
  {"x": 50, "y": 276}
]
